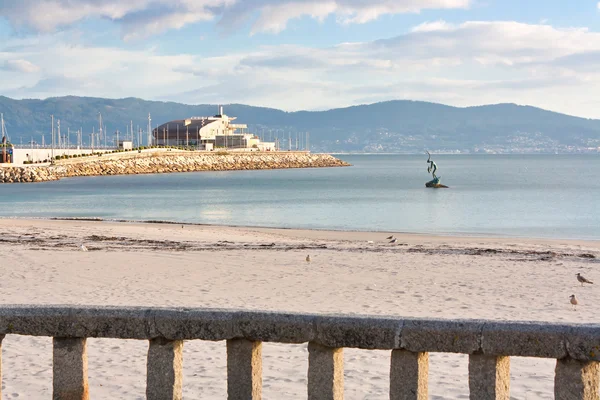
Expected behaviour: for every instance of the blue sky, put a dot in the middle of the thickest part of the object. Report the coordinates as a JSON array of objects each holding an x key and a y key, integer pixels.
[{"x": 306, "y": 54}]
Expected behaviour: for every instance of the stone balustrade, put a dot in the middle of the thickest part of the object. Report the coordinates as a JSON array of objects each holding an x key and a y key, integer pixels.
[
  {"x": 489, "y": 345},
  {"x": 153, "y": 162}
]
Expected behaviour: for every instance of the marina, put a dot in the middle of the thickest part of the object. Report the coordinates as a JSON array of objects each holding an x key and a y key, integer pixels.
[{"x": 210, "y": 133}]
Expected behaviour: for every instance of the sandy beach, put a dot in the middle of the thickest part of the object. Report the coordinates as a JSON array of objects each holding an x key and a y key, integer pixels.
[{"x": 256, "y": 268}]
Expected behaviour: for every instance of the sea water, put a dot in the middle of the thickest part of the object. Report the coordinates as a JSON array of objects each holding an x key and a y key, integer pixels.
[{"x": 545, "y": 196}]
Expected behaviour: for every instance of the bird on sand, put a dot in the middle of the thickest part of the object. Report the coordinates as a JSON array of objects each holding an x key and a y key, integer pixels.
[
  {"x": 307, "y": 258},
  {"x": 573, "y": 301},
  {"x": 393, "y": 240},
  {"x": 583, "y": 280},
  {"x": 83, "y": 248},
  {"x": 390, "y": 237}
]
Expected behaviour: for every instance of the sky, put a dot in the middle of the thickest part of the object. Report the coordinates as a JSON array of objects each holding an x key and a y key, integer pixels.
[{"x": 306, "y": 54}]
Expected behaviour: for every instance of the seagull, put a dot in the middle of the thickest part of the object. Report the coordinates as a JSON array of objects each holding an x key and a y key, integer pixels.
[
  {"x": 573, "y": 301},
  {"x": 390, "y": 237},
  {"x": 583, "y": 280},
  {"x": 83, "y": 248},
  {"x": 393, "y": 240},
  {"x": 307, "y": 258}
]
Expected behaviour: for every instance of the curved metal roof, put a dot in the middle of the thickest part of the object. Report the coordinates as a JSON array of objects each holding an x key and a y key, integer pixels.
[{"x": 169, "y": 129}]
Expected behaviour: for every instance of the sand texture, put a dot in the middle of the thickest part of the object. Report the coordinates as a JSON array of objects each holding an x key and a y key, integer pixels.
[{"x": 253, "y": 268}]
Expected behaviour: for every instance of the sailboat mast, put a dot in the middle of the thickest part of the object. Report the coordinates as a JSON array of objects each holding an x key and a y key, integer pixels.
[
  {"x": 4, "y": 132},
  {"x": 100, "y": 130},
  {"x": 58, "y": 134},
  {"x": 150, "y": 130},
  {"x": 3, "y": 160},
  {"x": 53, "y": 137}
]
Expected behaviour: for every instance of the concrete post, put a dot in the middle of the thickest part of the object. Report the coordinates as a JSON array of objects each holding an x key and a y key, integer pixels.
[
  {"x": 576, "y": 380},
  {"x": 244, "y": 370},
  {"x": 325, "y": 372},
  {"x": 489, "y": 377},
  {"x": 164, "y": 380},
  {"x": 1, "y": 338},
  {"x": 408, "y": 375},
  {"x": 69, "y": 369}
]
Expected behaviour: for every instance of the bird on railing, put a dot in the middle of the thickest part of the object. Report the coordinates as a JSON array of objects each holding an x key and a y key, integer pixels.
[
  {"x": 574, "y": 302},
  {"x": 583, "y": 280}
]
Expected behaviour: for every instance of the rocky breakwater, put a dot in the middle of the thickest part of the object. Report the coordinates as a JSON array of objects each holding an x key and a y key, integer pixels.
[
  {"x": 152, "y": 163},
  {"x": 26, "y": 174}
]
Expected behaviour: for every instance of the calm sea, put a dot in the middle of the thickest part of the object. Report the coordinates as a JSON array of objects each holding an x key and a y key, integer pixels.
[{"x": 546, "y": 196}]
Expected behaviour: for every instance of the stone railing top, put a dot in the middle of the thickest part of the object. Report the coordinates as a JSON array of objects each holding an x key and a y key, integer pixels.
[{"x": 527, "y": 339}]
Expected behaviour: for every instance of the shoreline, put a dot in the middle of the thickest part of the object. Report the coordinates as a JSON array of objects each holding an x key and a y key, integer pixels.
[
  {"x": 329, "y": 233},
  {"x": 163, "y": 265}
]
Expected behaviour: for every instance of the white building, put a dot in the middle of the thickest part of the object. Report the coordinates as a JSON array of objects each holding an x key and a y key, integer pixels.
[
  {"x": 125, "y": 145},
  {"x": 208, "y": 133}
]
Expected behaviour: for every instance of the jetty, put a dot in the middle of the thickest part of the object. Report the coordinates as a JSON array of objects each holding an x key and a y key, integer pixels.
[
  {"x": 188, "y": 145},
  {"x": 161, "y": 160}
]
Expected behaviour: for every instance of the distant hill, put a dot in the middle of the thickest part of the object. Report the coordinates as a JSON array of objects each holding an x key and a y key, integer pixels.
[{"x": 393, "y": 126}]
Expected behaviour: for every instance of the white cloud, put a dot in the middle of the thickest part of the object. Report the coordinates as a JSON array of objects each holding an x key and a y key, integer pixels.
[
  {"x": 436, "y": 26},
  {"x": 274, "y": 18},
  {"x": 144, "y": 17},
  {"x": 465, "y": 64},
  {"x": 495, "y": 43},
  {"x": 46, "y": 15},
  {"x": 275, "y": 14},
  {"x": 20, "y": 66},
  {"x": 82, "y": 70}
]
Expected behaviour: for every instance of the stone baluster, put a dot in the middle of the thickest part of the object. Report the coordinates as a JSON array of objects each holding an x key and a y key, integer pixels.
[
  {"x": 576, "y": 380},
  {"x": 325, "y": 372},
  {"x": 408, "y": 375},
  {"x": 164, "y": 380},
  {"x": 69, "y": 369},
  {"x": 244, "y": 370},
  {"x": 1, "y": 339},
  {"x": 489, "y": 377}
]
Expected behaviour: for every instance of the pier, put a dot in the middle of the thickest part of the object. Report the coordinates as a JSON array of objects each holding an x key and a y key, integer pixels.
[{"x": 164, "y": 160}]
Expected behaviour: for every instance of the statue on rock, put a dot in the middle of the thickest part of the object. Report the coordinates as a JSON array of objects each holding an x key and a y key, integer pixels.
[{"x": 431, "y": 169}]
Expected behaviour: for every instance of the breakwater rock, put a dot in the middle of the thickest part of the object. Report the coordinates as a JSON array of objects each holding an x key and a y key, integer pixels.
[{"x": 165, "y": 162}]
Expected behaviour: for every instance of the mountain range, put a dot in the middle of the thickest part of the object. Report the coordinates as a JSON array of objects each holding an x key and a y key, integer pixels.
[{"x": 392, "y": 126}]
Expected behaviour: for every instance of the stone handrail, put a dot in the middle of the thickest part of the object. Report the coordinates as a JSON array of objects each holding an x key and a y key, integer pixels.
[{"x": 489, "y": 344}]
